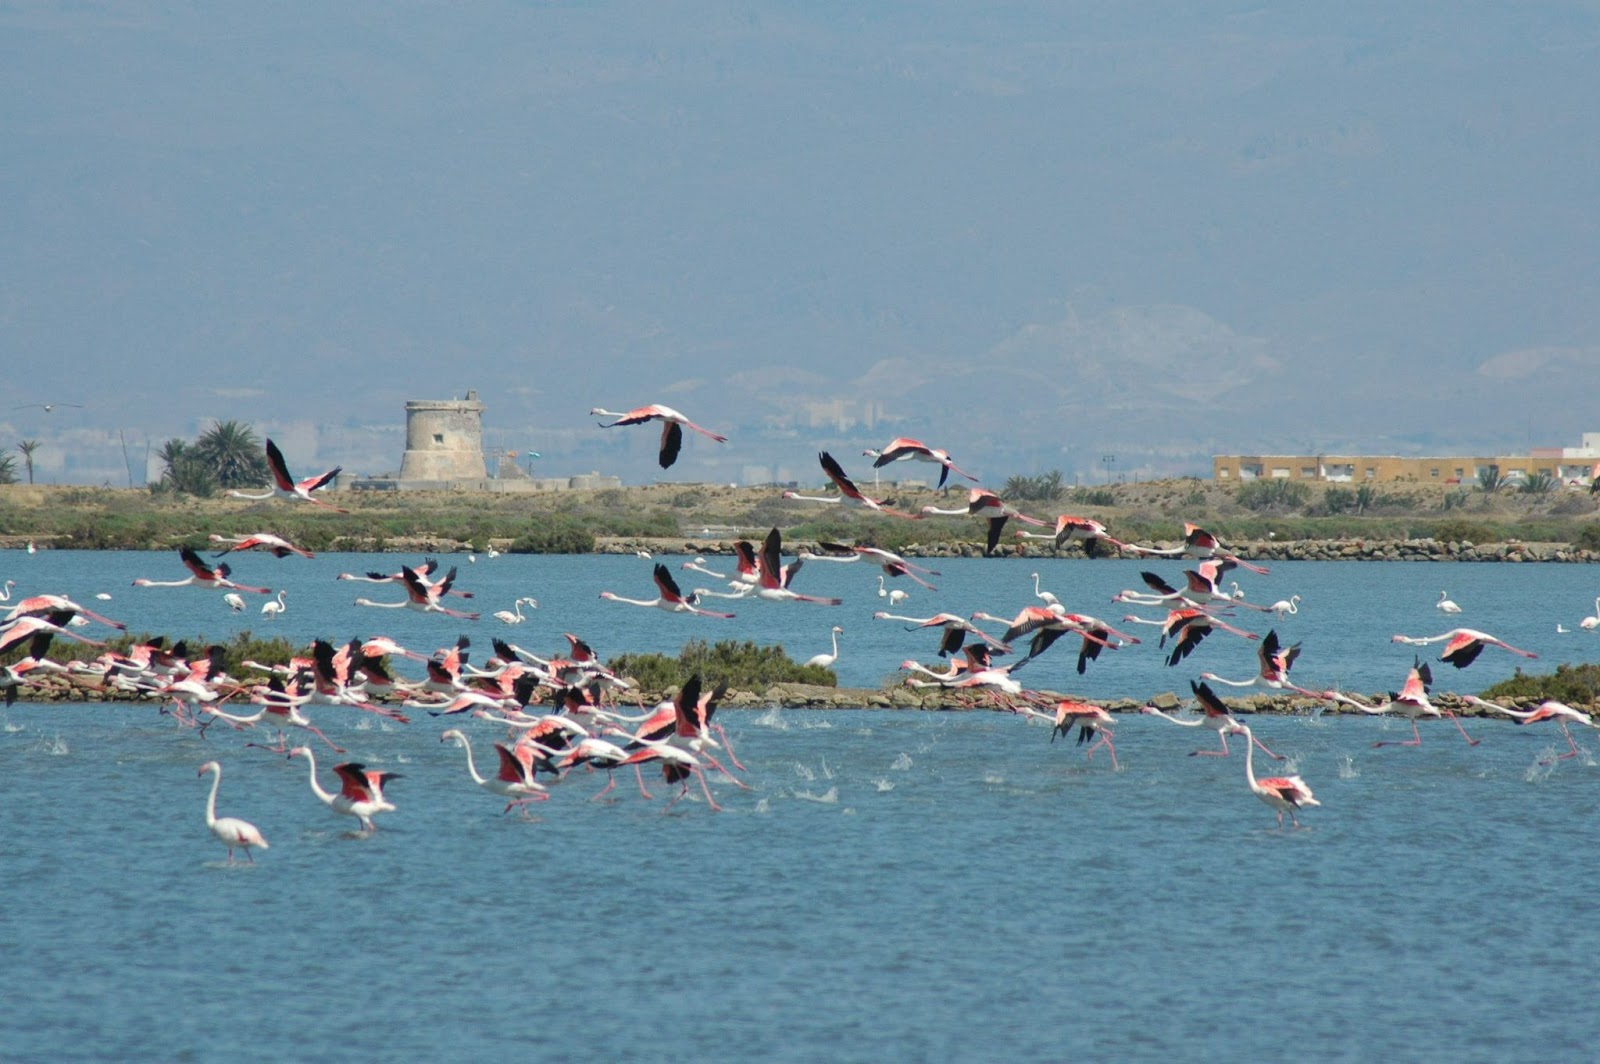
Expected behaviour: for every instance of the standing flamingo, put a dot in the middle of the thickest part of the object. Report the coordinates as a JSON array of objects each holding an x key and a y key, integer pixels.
[
  {"x": 849, "y": 494},
  {"x": 826, "y": 660},
  {"x": 1589, "y": 624},
  {"x": 230, "y": 831},
  {"x": 510, "y": 617},
  {"x": 672, "y": 426},
  {"x": 894, "y": 595},
  {"x": 284, "y": 486},
  {"x": 1445, "y": 605},
  {"x": 514, "y": 781},
  {"x": 671, "y": 598},
  {"x": 902, "y": 449},
  {"x": 1462, "y": 645},
  {"x": 1284, "y": 794},
  {"x": 360, "y": 794},
  {"x": 1284, "y": 607},
  {"x": 274, "y": 609}
]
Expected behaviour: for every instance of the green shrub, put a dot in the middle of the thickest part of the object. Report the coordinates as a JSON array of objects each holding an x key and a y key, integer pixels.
[
  {"x": 1459, "y": 531},
  {"x": 1588, "y": 538},
  {"x": 1273, "y": 493},
  {"x": 1338, "y": 500},
  {"x": 1576, "y": 685},
  {"x": 745, "y": 665},
  {"x": 554, "y": 535}
]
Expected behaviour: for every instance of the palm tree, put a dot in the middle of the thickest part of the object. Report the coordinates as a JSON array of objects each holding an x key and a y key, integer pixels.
[
  {"x": 233, "y": 455},
  {"x": 8, "y": 468},
  {"x": 27, "y": 447},
  {"x": 184, "y": 470}
]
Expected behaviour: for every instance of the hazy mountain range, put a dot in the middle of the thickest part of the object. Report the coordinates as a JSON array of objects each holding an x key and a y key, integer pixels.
[{"x": 1037, "y": 235}]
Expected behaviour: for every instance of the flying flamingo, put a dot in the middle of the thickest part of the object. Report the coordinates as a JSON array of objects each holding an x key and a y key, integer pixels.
[
  {"x": 1187, "y": 627},
  {"x": 672, "y": 426},
  {"x": 985, "y": 504},
  {"x": 1217, "y": 715},
  {"x": 1085, "y": 530},
  {"x": 1284, "y": 794},
  {"x": 892, "y": 564},
  {"x": 202, "y": 575},
  {"x": 1047, "y": 625},
  {"x": 274, "y": 609},
  {"x": 848, "y": 492},
  {"x": 428, "y": 567},
  {"x": 509, "y": 617},
  {"x": 281, "y": 707},
  {"x": 902, "y": 449},
  {"x": 670, "y": 599},
  {"x": 360, "y": 794},
  {"x": 1411, "y": 703},
  {"x": 1276, "y": 661},
  {"x": 955, "y": 630},
  {"x": 19, "y": 631},
  {"x": 1462, "y": 645},
  {"x": 513, "y": 782},
  {"x": 826, "y": 660},
  {"x": 285, "y": 486},
  {"x": 230, "y": 831},
  {"x": 772, "y": 576},
  {"x": 1197, "y": 543},
  {"x": 1089, "y": 719},
  {"x": 1549, "y": 709},
  {"x": 277, "y": 546},
  {"x": 39, "y": 605},
  {"x": 422, "y": 597},
  {"x": 1445, "y": 605}
]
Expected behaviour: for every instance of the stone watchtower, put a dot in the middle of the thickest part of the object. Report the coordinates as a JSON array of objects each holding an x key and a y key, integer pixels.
[{"x": 444, "y": 440}]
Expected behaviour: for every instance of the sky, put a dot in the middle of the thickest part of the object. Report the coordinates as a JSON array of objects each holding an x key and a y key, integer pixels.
[{"x": 1036, "y": 235}]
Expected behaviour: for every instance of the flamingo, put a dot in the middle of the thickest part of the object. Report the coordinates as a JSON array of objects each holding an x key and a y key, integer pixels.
[
  {"x": 672, "y": 426},
  {"x": 1411, "y": 703},
  {"x": 901, "y": 449},
  {"x": 986, "y": 504},
  {"x": 1549, "y": 709},
  {"x": 1217, "y": 715},
  {"x": 1089, "y": 719},
  {"x": 772, "y": 576},
  {"x": 202, "y": 575},
  {"x": 39, "y": 605},
  {"x": 1445, "y": 605},
  {"x": 277, "y": 546},
  {"x": 1284, "y": 607},
  {"x": 671, "y": 598},
  {"x": 509, "y": 617},
  {"x": 892, "y": 564},
  {"x": 284, "y": 486},
  {"x": 24, "y": 628},
  {"x": 698, "y": 565},
  {"x": 428, "y": 567},
  {"x": 1187, "y": 627},
  {"x": 514, "y": 781},
  {"x": 826, "y": 660},
  {"x": 1589, "y": 624},
  {"x": 1046, "y": 597},
  {"x": 1198, "y": 543},
  {"x": 421, "y": 596},
  {"x": 230, "y": 831},
  {"x": 361, "y": 791},
  {"x": 895, "y": 595},
  {"x": 1284, "y": 794},
  {"x": 234, "y": 601},
  {"x": 1462, "y": 645},
  {"x": 1086, "y": 530},
  {"x": 282, "y": 707},
  {"x": 956, "y": 629},
  {"x": 5, "y": 593},
  {"x": 1276, "y": 661},
  {"x": 1048, "y": 625},
  {"x": 274, "y": 609},
  {"x": 849, "y": 494}
]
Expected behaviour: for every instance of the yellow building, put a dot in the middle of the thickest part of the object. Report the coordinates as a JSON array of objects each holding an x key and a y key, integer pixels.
[{"x": 1572, "y": 466}]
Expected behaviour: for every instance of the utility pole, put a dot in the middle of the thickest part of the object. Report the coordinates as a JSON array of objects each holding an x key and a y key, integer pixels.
[{"x": 1108, "y": 460}]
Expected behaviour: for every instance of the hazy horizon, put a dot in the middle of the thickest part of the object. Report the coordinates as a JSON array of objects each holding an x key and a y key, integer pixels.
[{"x": 1032, "y": 236}]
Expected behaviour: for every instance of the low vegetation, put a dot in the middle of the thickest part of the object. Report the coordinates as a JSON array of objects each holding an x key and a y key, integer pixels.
[
  {"x": 741, "y": 665},
  {"x": 1576, "y": 685}
]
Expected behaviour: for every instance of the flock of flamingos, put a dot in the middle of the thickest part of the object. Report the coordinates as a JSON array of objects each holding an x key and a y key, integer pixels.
[{"x": 561, "y": 713}]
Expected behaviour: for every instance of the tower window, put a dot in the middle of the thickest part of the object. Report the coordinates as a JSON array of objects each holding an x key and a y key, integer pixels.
[{"x": 438, "y": 437}]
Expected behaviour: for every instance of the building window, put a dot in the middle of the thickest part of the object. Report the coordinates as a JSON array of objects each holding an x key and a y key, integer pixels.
[
  {"x": 1460, "y": 473},
  {"x": 1434, "y": 473},
  {"x": 1371, "y": 473},
  {"x": 1308, "y": 472},
  {"x": 1280, "y": 472},
  {"x": 1224, "y": 473},
  {"x": 438, "y": 437}
]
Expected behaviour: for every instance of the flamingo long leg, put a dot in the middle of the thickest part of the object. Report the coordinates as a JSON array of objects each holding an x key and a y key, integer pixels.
[
  {"x": 1415, "y": 740},
  {"x": 1453, "y": 720}
]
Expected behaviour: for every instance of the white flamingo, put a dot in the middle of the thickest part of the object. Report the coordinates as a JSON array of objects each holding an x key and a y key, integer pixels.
[
  {"x": 235, "y": 601},
  {"x": 827, "y": 660},
  {"x": 894, "y": 595},
  {"x": 510, "y": 617},
  {"x": 274, "y": 609},
  {"x": 1445, "y": 605},
  {"x": 1284, "y": 607},
  {"x": 1589, "y": 624},
  {"x": 230, "y": 831}
]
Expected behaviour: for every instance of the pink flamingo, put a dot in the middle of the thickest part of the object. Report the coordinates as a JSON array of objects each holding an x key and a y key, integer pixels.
[
  {"x": 1197, "y": 543},
  {"x": 360, "y": 793},
  {"x": 1411, "y": 703},
  {"x": 773, "y": 576},
  {"x": 284, "y": 486},
  {"x": 202, "y": 575},
  {"x": 672, "y": 426},
  {"x": 671, "y": 598},
  {"x": 955, "y": 628},
  {"x": 1549, "y": 709},
  {"x": 1069, "y": 528},
  {"x": 1087, "y": 718},
  {"x": 28, "y": 628},
  {"x": 514, "y": 781},
  {"x": 230, "y": 831},
  {"x": 1187, "y": 627},
  {"x": 988, "y": 506},
  {"x": 422, "y": 596},
  {"x": 1276, "y": 661},
  {"x": 39, "y": 605},
  {"x": 1284, "y": 794},
  {"x": 276, "y": 546},
  {"x": 848, "y": 492},
  {"x": 1462, "y": 645},
  {"x": 1217, "y": 715},
  {"x": 902, "y": 449}
]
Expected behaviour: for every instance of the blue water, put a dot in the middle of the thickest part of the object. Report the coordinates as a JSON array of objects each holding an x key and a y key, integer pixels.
[{"x": 894, "y": 886}]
